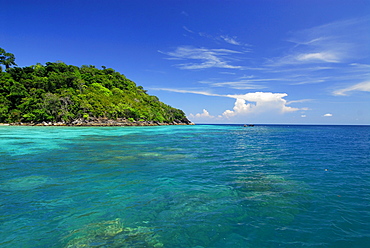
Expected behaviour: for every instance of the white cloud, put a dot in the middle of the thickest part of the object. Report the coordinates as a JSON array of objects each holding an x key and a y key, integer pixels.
[
  {"x": 239, "y": 85},
  {"x": 363, "y": 86},
  {"x": 322, "y": 56},
  {"x": 243, "y": 84},
  {"x": 226, "y": 38},
  {"x": 299, "y": 101},
  {"x": 208, "y": 58},
  {"x": 310, "y": 81},
  {"x": 335, "y": 42},
  {"x": 363, "y": 66},
  {"x": 230, "y": 40},
  {"x": 303, "y": 116},
  {"x": 204, "y": 115},
  {"x": 188, "y": 30},
  {"x": 240, "y": 107},
  {"x": 328, "y": 115},
  {"x": 308, "y": 58},
  {"x": 259, "y": 102},
  {"x": 205, "y": 93}
]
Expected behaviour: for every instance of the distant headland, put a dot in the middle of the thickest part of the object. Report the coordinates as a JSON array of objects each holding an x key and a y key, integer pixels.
[{"x": 57, "y": 94}]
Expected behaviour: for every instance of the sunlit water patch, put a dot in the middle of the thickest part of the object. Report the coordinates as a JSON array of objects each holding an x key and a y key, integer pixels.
[{"x": 185, "y": 186}]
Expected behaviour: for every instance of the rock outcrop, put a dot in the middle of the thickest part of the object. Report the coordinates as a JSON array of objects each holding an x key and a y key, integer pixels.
[{"x": 105, "y": 122}]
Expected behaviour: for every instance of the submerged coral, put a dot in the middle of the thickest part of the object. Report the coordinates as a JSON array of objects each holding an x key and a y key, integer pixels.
[
  {"x": 25, "y": 183},
  {"x": 113, "y": 234},
  {"x": 272, "y": 197},
  {"x": 193, "y": 218}
]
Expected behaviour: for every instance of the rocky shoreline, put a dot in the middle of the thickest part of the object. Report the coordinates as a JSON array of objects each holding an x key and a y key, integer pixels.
[{"x": 101, "y": 122}]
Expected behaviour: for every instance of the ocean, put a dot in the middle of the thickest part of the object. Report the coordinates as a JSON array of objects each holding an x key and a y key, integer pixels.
[{"x": 185, "y": 186}]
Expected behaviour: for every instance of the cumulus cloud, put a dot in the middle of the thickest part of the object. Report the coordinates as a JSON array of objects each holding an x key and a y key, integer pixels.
[
  {"x": 204, "y": 114},
  {"x": 328, "y": 115},
  {"x": 240, "y": 107},
  {"x": 259, "y": 102},
  {"x": 363, "y": 86},
  {"x": 207, "y": 58}
]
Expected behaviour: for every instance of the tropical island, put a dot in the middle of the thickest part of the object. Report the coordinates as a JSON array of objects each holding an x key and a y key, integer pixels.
[{"x": 67, "y": 95}]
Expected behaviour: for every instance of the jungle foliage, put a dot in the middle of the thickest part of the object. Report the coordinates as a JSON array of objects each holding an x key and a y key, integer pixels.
[{"x": 57, "y": 92}]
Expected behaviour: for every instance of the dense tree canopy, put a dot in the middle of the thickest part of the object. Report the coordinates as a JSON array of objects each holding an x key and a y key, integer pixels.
[
  {"x": 6, "y": 59},
  {"x": 57, "y": 92}
]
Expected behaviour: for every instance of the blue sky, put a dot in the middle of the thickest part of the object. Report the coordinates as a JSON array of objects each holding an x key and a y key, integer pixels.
[{"x": 247, "y": 61}]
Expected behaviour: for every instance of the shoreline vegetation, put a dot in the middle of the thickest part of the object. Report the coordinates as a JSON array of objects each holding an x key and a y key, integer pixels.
[
  {"x": 99, "y": 122},
  {"x": 57, "y": 94}
]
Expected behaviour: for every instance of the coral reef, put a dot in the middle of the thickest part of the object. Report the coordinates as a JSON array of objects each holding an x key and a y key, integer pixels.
[
  {"x": 25, "y": 183},
  {"x": 272, "y": 197},
  {"x": 113, "y": 234}
]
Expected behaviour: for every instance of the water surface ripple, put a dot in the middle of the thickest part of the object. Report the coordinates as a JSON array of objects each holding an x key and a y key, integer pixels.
[{"x": 185, "y": 186}]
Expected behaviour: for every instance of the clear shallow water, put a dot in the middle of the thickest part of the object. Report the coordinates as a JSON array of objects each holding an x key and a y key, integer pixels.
[{"x": 185, "y": 186}]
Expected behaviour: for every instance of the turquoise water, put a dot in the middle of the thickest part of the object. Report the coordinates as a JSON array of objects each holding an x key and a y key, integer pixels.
[{"x": 185, "y": 186}]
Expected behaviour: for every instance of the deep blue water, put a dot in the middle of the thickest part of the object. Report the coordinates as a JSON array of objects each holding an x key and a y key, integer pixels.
[{"x": 185, "y": 186}]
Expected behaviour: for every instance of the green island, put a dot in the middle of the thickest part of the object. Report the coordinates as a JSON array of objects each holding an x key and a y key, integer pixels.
[{"x": 61, "y": 94}]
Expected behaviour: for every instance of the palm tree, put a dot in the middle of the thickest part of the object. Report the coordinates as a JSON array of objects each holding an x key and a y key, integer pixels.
[{"x": 6, "y": 59}]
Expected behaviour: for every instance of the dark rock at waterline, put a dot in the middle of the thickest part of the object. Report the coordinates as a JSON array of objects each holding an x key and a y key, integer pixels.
[{"x": 104, "y": 122}]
